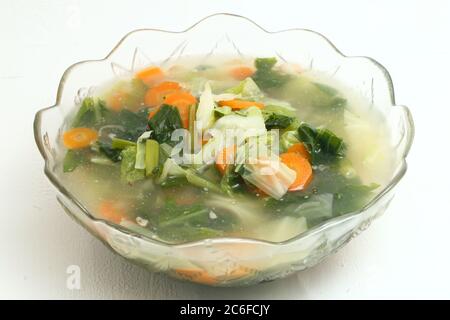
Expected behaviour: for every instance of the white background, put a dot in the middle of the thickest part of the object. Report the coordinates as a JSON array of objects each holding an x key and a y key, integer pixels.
[{"x": 405, "y": 254}]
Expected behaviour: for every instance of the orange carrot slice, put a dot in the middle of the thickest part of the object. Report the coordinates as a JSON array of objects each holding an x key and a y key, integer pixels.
[
  {"x": 240, "y": 104},
  {"x": 113, "y": 211},
  {"x": 182, "y": 100},
  {"x": 241, "y": 72},
  {"x": 150, "y": 75},
  {"x": 196, "y": 275},
  {"x": 115, "y": 100},
  {"x": 225, "y": 157},
  {"x": 155, "y": 96},
  {"x": 78, "y": 138},
  {"x": 300, "y": 149},
  {"x": 302, "y": 168}
]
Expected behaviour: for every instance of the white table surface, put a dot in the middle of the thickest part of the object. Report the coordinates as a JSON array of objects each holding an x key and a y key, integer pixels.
[{"x": 405, "y": 254}]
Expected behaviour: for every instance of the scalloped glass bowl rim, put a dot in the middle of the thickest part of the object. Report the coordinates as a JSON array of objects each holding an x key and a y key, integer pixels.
[{"x": 316, "y": 229}]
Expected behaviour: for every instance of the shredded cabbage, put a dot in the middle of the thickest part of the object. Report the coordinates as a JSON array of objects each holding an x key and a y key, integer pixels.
[
  {"x": 247, "y": 89},
  {"x": 205, "y": 110},
  {"x": 251, "y": 124},
  {"x": 281, "y": 229},
  {"x": 170, "y": 168},
  {"x": 270, "y": 175}
]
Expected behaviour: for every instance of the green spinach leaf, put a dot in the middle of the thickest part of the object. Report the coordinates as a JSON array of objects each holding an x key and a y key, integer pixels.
[
  {"x": 74, "y": 158},
  {"x": 323, "y": 145},
  {"x": 92, "y": 113},
  {"x": 277, "y": 121},
  {"x": 266, "y": 77},
  {"x": 163, "y": 123}
]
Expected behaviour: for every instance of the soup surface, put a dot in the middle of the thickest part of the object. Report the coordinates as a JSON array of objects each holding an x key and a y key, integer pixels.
[{"x": 247, "y": 148}]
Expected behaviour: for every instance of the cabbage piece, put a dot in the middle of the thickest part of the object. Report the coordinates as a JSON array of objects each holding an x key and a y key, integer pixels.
[
  {"x": 279, "y": 107},
  {"x": 270, "y": 175},
  {"x": 248, "y": 90},
  {"x": 281, "y": 229},
  {"x": 222, "y": 111},
  {"x": 207, "y": 154},
  {"x": 205, "y": 110},
  {"x": 318, "y": 207},
  {"x": 128, "y": 172},
  {"x": 140, "y": 150},
  {"x": 251, "y": 124},
  {"x": 288, "y": 139},
  {"x": 246, "y": 210},
  {"x": 226, "y": 96},
  {"x": 170, "y": 168}
]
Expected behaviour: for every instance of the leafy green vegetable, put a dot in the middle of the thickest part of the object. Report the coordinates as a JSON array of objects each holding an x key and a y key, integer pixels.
[
  {"x": 231, "y": 181},
  {"x": 188, "y": 233},
  {"x": 248, "y": 90},
  {"x": 323, "y": 145},
  {"x": 128, "y": 172},
  {"x": 92, "y": 113},
  {"x": 107, "y": 149},
  {"x": 348, "y": 195},
  {"x": 187, "y": 223},
  {"x": 308, "y": 94},
  {"x": 164, "y": 122},
  {"x": 266, "y": 77},
  {"x": 352, "y": 197},
  {"x": 174, "y": 181},
  {"x": 172, "y": 215},
  {"x": 134, "y": 123},
  {"x": 277, "y": 121},
  {"x": 73, "y": 159}
]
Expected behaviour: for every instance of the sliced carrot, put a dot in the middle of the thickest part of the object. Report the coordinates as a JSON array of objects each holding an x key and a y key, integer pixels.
[
  {"x": 78, "y": 138},
  {"x": 300, "y": 149},
  {"x": 302, "y": 168},
  {"x": 225, "y": 157},
  {"x": 155, "y": 96},
  {"x": 182, "y": 100},
  {"x": 113, "y": 211},
  {"x": 241, "y": 72},
  {"x": 240, "y": 104},
  {"x": 115, "y": 100},
  {"x": 196, "y": 275},
  {"x": 150, "y": 75}
]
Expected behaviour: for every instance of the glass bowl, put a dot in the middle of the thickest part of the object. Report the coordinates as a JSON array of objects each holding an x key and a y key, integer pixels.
[{"x": 226, "y": 261}]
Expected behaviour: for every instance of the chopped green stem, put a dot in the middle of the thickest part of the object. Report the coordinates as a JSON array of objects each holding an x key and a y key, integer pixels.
[
  {"x": 192, "y": 111},
  {"x": 198, "y": 181},
  {"x": 151, "y": 156},
  {"x": 122, "y": 143},
  {"x": 184, "y": 218}
]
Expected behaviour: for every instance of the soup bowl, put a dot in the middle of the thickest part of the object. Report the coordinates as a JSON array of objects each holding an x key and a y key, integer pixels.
[{"x": 226, "y": 261}]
